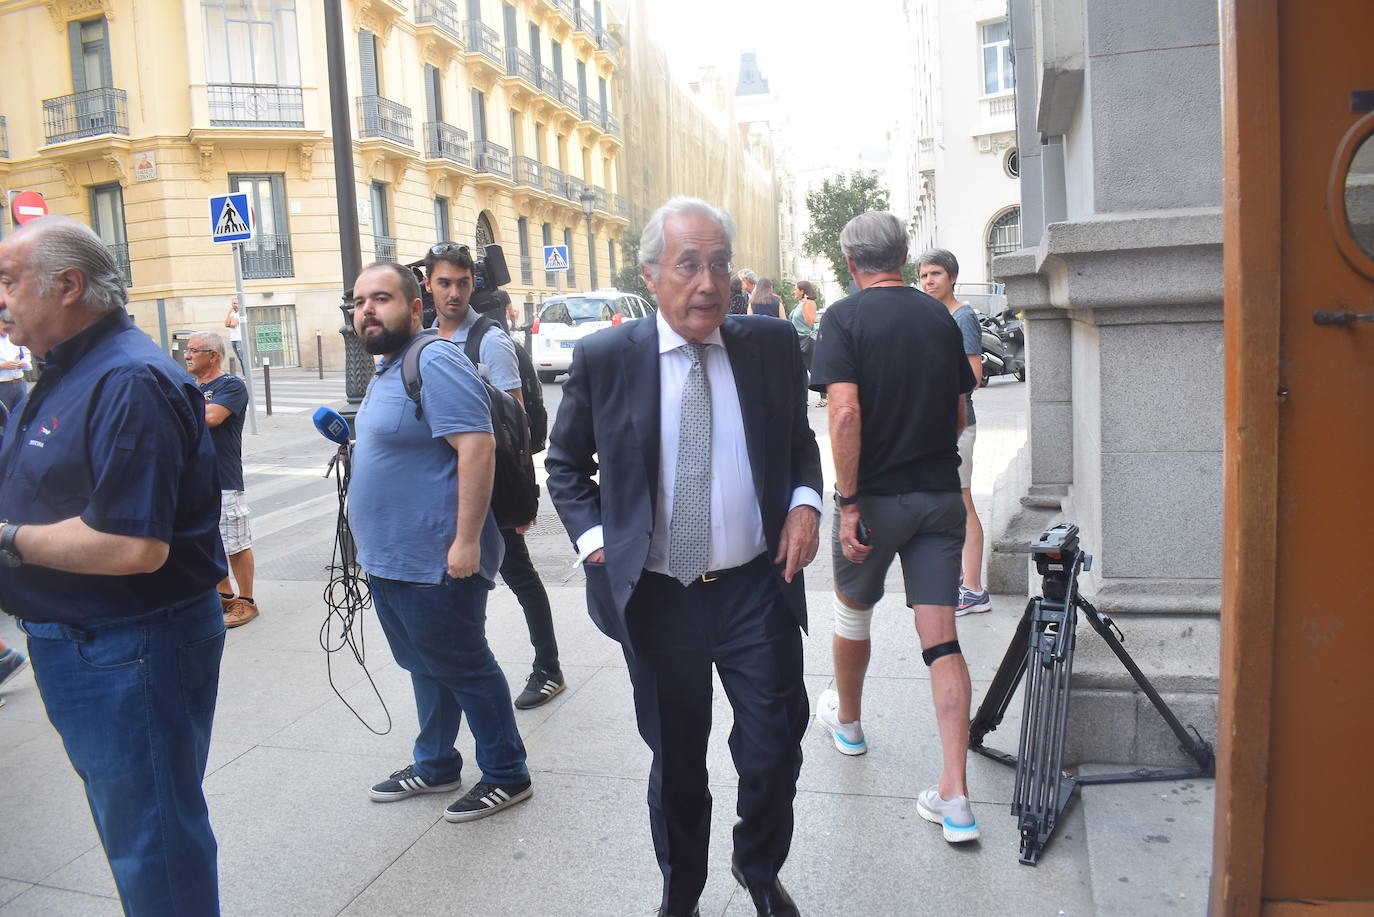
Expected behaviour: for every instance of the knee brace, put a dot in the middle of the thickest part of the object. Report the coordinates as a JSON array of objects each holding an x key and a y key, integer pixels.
[
  {"x": 852, "y": 623},
  {"x": 940, "y": 649}
]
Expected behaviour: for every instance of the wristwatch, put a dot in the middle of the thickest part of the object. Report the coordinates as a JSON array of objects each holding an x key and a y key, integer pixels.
[
  {"x": 9, "y": 554},
  {"x": 841, "y": 500}
]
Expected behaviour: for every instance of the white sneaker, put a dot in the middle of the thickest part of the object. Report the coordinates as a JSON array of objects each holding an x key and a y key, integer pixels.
[
  {"x": 849, "y": 737},
  {"x": 955, "y": 815}
]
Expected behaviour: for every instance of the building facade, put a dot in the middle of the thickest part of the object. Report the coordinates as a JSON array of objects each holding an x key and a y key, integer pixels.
[
  {"x": 478, "y": 122},
  {"x": 1120, "y": 280},
  {"x": 962, "y": 178}
]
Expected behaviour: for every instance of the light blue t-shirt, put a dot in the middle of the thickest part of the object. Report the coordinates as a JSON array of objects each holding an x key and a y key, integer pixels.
[
  {"x": 403, "y": 498},
  {"x": 496, "y": 352}
]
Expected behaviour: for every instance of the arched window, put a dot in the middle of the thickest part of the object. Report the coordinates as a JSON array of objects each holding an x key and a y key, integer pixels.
[
  {"x": 485, "y": 234},
  {"x": 1004, "y": 235}
]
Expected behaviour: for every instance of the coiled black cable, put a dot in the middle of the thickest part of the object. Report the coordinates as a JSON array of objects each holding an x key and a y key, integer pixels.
[{"x": 346, "y": 595}]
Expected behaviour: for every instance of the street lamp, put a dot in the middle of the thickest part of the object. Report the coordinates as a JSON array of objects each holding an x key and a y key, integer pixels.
[{"x": 588, "y": 200}]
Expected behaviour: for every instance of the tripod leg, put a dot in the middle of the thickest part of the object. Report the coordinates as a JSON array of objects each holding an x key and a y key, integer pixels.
[{"x": 1004, "y": 683}]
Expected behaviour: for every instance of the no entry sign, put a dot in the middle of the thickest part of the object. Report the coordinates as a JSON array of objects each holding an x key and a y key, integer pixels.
[{"x": 28, "y": 205}]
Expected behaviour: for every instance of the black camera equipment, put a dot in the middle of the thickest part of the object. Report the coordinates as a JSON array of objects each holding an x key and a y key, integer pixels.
[
  {"x": 489, "y": 274},
  {"x": 346, "y": 594},
  {"x": 1042, "y": 653}
]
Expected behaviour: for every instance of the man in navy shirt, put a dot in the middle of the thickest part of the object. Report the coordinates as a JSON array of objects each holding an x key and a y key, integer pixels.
[
  {"x": 226, "y": 398},
  {"x": 108, "y": 557},
  {"x": 419, "y": 506}
]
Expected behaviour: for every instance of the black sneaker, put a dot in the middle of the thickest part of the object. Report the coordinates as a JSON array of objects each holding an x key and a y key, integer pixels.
[
  {"x": 486, "y": 799},
  {"x": 406, "y": 783},
  {"x": 540, "y": 689}
]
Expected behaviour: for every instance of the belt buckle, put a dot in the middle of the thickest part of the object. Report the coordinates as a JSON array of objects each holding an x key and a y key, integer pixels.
[{"x": 708, "y": 578}]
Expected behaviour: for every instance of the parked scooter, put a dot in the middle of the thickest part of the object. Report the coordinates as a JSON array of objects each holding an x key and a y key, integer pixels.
[{"x": 1004, "y": 346}]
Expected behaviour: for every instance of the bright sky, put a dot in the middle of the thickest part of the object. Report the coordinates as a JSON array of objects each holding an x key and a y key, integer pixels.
[{"x": 839, "y": 67}]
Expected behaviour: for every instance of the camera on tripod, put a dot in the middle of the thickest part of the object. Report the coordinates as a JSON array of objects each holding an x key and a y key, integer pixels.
[{"x": 1057, "y": 554}]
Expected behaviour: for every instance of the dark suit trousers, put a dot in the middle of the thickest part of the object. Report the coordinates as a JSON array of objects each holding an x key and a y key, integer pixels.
[{"x": 741, "y": 624}]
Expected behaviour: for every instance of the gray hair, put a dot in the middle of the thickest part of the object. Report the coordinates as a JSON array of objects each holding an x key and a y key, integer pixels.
[
  {"x": 651, "y": 240},
  {"x": 62, "y": 244},
  {"x": 214, "y": 340},
  {"x": 876, "y": 241},
  {"x": 748, "y": 275},
  {"x": 942, "y": 258}
]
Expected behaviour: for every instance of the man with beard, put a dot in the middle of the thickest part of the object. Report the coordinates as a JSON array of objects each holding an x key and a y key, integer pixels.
[
  {"x": 419, "y": 507},
  {"x": 449, "y": 276}
]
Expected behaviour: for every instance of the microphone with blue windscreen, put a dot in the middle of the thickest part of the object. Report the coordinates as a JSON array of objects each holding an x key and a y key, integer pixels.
[{"x": 331, "y": 425}]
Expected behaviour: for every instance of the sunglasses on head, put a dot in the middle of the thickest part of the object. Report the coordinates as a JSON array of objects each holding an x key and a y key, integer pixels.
[{"x": 443, "y": 248}]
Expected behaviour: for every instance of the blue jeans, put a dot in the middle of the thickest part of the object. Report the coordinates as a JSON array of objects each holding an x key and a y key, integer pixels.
[
  {"x": 134, "y": 699},
  {"x": 438, "y": 634}
]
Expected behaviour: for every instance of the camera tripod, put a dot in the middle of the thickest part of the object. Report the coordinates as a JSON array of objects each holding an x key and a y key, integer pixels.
[{"x": 1041, "y": 652}]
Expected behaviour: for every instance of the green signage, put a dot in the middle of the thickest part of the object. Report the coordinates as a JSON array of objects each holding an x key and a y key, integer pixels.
[{"x": 267, "y": 337}]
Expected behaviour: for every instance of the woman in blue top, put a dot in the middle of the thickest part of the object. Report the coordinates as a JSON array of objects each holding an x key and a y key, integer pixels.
[{"x": 765, "y": 301}]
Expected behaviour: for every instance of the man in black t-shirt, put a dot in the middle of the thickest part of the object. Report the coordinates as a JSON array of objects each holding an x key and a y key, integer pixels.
[
  {"x": 891, "y": 361},
  {"x": 226, "y": 400}
]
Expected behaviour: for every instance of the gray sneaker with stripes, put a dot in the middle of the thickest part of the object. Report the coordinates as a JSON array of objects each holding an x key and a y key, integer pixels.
[
  {"x": 405, "y": 783},
  {"x": 487, "y": 799}
]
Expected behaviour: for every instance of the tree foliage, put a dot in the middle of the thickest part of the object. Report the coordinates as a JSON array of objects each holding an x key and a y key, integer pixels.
[
  {"x": 628, "y": 279},
  {"x": 834, "y": 204}
]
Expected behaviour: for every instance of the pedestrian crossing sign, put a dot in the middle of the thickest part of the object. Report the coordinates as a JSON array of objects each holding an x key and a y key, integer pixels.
[
  {"x": 555, "y": 257},
  {"x": 230, "y": 218}
]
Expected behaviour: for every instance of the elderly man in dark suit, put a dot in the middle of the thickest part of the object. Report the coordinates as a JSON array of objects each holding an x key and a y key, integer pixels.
[{"x": 693, "y": 537}]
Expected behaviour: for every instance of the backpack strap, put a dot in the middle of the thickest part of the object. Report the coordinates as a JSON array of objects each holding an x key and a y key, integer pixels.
[
  {"x": 472, "y": 347},
  {"x": 410, "y": 366}
]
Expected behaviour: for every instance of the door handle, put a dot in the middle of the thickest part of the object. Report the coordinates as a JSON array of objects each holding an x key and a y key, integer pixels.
[{"x": 1328, "y": 317}]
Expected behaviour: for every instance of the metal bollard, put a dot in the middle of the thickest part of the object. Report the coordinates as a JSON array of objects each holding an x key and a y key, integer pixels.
[
  {"x": 319, "y": 352},
  {"x": 267, "y": 385}
]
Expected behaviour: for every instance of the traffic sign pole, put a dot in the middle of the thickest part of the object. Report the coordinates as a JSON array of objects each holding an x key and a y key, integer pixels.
[{"x": 246, "y": 332}]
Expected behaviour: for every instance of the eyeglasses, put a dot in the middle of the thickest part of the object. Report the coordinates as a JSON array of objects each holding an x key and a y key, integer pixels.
[
  {"x": 689, "y": 269},
  {"x": 192, "y": 350},
  {"x": 443, "y": 248}
]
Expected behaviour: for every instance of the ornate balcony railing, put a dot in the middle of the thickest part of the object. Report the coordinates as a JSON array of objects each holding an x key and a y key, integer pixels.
[
  {"x": 573, "y": 188},
  {"x": 379, "y": 117},
  {"x": 255, "y": 105},
  {"x": 568, "y": 95},
  {"x": 622, "y": 207},
  {"x": 484, "y": 40},
  {"x": 591, "y": 110},
  {"x": 555, "y": 182},
  {"x": 443, "y": 13},
  {"x": 583, "y": 21},
  {"x": 603, "y": 200},
  {"x": 608, "y": 42},
  {"x": 528, "y": 171},
  {"x": 565, "y": 7},
  {"x": 4, "y": 139},
  {"x": 610, "y": 123},
  {"x": 999, "y": 107},
  {"x": 548, "y": 81},
  {"x": 384, "y": 247},
  {"x": 520, "y": 64},
  {"x": 120, "y": 250},
  {"x": 266, "y": 256},
  {"x": 86, "y": 114},
  {"x": 489, "y": 157},
  {"x": 444, "y": 141},
  {"x": 526, "y": 270}
]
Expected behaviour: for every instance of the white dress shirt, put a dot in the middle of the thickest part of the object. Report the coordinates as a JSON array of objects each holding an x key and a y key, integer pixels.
[
  {"x": 736, "y": 525},
  {"x": 12, "y": 352}
]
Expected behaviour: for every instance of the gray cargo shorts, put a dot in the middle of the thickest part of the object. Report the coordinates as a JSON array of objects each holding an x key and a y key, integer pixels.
[{"x": 924, "y": 528}]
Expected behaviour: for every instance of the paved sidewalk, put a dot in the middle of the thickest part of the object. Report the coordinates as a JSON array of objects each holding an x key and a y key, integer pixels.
[{"x": 290, "y": 768}]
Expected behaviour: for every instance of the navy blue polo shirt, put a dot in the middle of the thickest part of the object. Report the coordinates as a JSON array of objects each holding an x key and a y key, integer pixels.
[{"x": 114, "y": 432}]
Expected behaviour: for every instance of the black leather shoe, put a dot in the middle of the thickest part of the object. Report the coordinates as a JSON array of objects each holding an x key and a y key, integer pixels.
[
  {"x": 664, "y": 912},
  {"x": 769, "y": 900}
]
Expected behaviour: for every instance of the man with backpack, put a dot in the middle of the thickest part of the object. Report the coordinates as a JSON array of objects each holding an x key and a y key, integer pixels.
[
  {"x": 449, "y": 278},
  {"x": 432, "y": 551}
]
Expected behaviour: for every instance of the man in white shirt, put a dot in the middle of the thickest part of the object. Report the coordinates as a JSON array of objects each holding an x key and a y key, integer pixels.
[
  {"x": 14, "y": 362},
  {"x": 683, "y": 468}
]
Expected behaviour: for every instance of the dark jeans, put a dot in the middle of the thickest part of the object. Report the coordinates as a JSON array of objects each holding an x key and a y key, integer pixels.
[
  {"x": 517, "y": 569},
  {"x": 742, "y": 624},
  {"x": 12, "y": 392},
  {"x": 133, "y": 700},
  {"x": 438, "y": 635}
]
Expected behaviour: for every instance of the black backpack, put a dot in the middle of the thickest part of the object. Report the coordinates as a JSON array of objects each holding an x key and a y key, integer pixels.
[
  {"x": 514, "y": 492},
  {"x": 530, "y": 387}
]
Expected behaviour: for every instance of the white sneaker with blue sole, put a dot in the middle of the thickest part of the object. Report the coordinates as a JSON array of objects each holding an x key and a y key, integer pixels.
[
  {"x": 955, "y": 815},
  {"x": 849, "y": 737}
]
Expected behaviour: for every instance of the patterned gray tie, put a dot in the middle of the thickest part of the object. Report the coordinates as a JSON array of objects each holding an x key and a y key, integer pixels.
[{"x": 689, "y": 530}]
